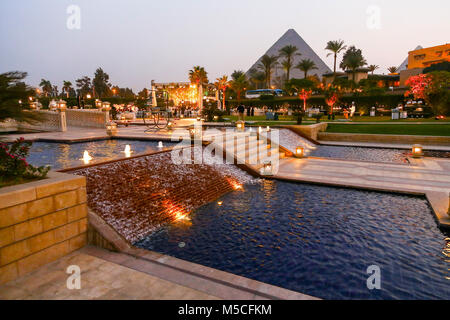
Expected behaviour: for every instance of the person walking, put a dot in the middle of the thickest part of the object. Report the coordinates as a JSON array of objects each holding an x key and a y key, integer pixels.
[{"x": 240, "y": 110}]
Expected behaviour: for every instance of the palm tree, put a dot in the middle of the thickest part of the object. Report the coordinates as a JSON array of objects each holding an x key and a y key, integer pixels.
[
  {"x": 199, "y": 77},
  {"x": 239, "y": 83},
  {"x": 222, "y": 84},
  {"x": 373, "y": 67},
  {"x": 306, "y": 65},
  {"x": 288, "y": 52},
  {"x": 392, "y": 69},
  {"x": 266, "y": 64},
  {"x": 67, "y": 85},
  {"x": 352, "y": 60},
  {"x": 335, "y": 47},
  {"x": 46, "y": 86}
]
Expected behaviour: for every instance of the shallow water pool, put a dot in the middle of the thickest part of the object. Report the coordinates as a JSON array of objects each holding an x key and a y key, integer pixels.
[
  {"x": 64, "y": 155},
  {"x": 317, "y": 240}
]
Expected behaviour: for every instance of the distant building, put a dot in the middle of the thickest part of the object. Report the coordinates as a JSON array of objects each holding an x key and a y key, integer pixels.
[
  {"x": 421, "y": 58},
  {"x": 425, "y": 57}
]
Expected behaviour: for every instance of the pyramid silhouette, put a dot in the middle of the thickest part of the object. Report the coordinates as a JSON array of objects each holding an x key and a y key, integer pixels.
[
  {"x": 291, "y": 37},
  {"x": 404, "y": 64}
]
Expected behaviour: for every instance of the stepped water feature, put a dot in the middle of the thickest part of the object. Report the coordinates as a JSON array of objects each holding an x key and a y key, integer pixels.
[
  {"x": 290, "y": 140},
  {"x": 249, "y": 148}
]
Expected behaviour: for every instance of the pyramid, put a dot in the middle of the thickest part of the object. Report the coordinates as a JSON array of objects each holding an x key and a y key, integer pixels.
[
  {"x": 404, "y": 64},
  {"x": 291, "y": 37}
]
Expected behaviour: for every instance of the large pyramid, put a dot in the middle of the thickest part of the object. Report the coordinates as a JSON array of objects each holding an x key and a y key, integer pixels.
[
  {"x": 291, "y": 37},
  {"x": 404, "y": 64}
]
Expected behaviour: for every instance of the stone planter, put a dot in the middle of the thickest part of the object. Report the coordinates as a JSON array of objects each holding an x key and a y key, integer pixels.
[{"x": 40, "y": 222}]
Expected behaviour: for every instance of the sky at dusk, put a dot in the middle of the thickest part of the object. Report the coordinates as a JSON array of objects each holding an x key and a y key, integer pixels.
[{"x": 136, "y": 41}]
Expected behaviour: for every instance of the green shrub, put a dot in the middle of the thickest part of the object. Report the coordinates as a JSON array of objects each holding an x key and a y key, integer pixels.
[{"x": 13, "y": 163}]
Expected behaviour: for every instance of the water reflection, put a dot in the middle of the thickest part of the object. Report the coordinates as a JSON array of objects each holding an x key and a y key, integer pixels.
[{"x": 63, "y": 155}]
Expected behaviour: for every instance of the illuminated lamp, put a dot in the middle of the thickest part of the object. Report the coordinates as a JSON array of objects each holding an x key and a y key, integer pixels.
[
  {"x": 267, "y": 169},
  {"x": 299, "y": 152},
  {"x": 111, "y": 128},
  {"x": 417, "y": 151},
  {"x": 240, "y": 126}
]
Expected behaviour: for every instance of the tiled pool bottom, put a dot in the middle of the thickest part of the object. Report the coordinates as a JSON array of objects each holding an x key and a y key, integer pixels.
[
  {"x": 317, "y": 240},
  {"x": 64, "y": 155},
  {"x": 370, "y": 154},
  {"x": 361, "y": 154}
]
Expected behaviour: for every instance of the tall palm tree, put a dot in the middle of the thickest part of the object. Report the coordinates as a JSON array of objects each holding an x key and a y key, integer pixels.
[
  {"x": 392, "y": 69},
  {"x": 288, "y": 52},
  {"x": 199, "y": 77},
  {"x": 222, "y": 84},
  {"x": 335, "y": 47},
  {"x": 306, "y": 65},
  {"x": 46, "y": 86},
  {"x": 266, "y": 64},
  {"x": 67, "y": 85},
  {"x": 239, "y": 84},
  {"x": 256, "y": 77},
  {"x": 352, "y": 60},
  {"x": 373, "y": 67}
]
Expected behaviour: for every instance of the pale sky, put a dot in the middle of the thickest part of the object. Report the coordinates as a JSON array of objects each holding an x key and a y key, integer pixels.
[{"x": 136, "y": 41}]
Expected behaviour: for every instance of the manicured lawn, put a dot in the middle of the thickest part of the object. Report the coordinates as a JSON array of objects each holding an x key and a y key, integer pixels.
[{"x": 400, "y": 129}]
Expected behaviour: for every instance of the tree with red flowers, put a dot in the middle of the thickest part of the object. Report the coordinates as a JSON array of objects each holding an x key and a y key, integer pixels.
[
  {"x": 432, "y": 87},
  {"x": 304, "y": 89}
]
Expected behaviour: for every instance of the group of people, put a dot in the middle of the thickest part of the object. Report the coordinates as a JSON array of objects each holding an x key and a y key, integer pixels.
[{"x": 241, "y": 110}]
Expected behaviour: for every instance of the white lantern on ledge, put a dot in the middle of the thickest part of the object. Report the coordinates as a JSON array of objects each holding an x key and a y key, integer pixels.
[{"x": 111, "y": 128}]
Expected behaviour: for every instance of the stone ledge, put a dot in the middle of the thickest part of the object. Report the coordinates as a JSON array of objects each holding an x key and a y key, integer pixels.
[
  {"x": 56, "y": 182},
  {"x": 384, "y": 138}
]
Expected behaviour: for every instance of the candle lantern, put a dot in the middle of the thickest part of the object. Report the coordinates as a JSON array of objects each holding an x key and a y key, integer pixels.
[
  {"x": 300, "y": 152},
  {"x": 106, "y": 106},
  {"x": 267, "y": 169},
  {"x": 417, "y": 151},
  {"x": 61, "y": 105},
  {"x": 240, "y": 126},
  {"x": 111, "y": 128},
  {"x": 98, "y": 103}
]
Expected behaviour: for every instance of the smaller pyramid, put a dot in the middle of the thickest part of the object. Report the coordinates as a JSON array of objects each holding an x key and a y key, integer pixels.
[
  {"x": 404, "y": 65},
  {"x": 291, "y": 37}
]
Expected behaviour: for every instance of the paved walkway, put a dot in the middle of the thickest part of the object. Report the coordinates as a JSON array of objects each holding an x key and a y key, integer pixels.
[
  {"x": 100, "y": 279},
  {"x": 429, "y": 177},
  {"x": 143, "y": 275}
]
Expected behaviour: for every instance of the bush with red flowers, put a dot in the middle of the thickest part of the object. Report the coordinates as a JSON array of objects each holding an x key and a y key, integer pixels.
[{"x": 13, "y": 163}]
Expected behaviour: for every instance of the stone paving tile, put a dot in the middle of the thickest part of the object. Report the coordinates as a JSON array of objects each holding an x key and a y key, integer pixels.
[{"x": 100, "y": 279}]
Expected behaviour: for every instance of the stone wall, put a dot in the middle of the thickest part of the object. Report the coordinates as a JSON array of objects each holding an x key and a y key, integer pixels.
[
  {"x": 87, "y": 118},
  {"x": 384, "y": 138},
  {"x": 40, "y": 222},
  {"x": 50, "y": 121},
  {"x": 311, "y": 131}
]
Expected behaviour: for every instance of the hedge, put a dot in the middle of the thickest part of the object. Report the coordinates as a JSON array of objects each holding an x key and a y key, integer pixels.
[{"x": 391, "y": 100}]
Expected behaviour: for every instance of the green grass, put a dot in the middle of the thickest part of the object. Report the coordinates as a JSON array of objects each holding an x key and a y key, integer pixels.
[{"x": 398, "y": 129}]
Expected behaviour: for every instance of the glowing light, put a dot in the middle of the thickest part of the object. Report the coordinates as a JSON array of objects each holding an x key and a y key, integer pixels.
[
  {"x": 417, "y": 151},
  {"x": 127, "y": 151},
  {"x": 160, "y": 144},
  {"x": 86, "y": 157},
  {"x": 268, "y": 129},
  {"x": 176, "y": 211},
  {"x": 299, "y": 152},
  {"x": 259, "y": 130},
  {"x": 267, "y": 169},
  {"x": 219, "y": 203},
  {"x": 88, "y": 96},
  {"x": 235, "y": 184}
]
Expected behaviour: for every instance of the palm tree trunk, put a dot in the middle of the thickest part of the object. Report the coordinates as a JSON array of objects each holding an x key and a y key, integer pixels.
[
  {"x": 223, "y": 97},
  {"x": 335, "y": 58}
]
